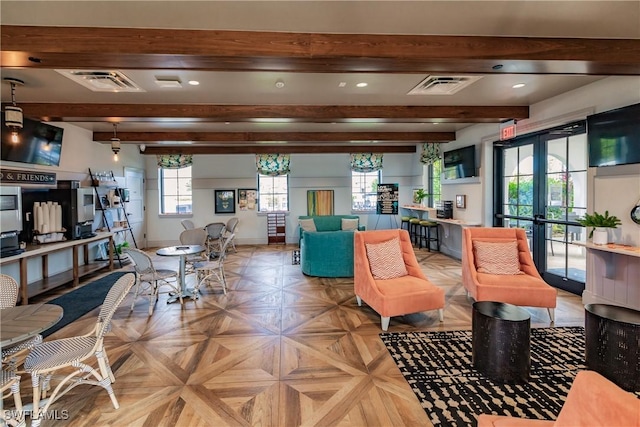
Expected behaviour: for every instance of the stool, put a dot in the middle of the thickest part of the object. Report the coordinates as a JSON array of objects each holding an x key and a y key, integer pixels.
[
  {"x": 425, "y": 234},
  {"x": 612, "y": 344},
  {"x": 501, "y": 341},
  {"x": 404, "y": 220},
  {"x": 414, "y": 230}
]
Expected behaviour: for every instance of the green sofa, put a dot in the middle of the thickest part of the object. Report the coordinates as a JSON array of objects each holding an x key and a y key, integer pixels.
[{"x": 328, "y": 251}]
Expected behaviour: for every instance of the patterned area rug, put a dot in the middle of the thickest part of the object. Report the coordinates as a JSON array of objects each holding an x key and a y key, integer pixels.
[
  {"x": 438, "y": 367},
  {"x": 295, "y": 257}
]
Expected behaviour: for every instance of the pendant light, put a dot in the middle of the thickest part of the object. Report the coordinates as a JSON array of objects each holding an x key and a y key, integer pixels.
[
  {"x": 115, "y": 143},
  {"x": 13, "y": 113}
]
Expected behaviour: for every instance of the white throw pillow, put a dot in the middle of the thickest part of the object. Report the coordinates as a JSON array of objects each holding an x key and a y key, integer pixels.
[
  {"x": 307, "y": 224},
  {"x": 497, "y": 257},
  {"x": 386, "y": 260},
  {"x": 350, "y": 223}
]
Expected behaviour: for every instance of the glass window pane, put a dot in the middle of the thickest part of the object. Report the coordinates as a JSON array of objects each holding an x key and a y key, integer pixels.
[
  {"x": 578, "y": 152},
  {"x": 510, "y": 158},
  {"x": 525, "y": 155},
  {"x": 556, "y": 155}
]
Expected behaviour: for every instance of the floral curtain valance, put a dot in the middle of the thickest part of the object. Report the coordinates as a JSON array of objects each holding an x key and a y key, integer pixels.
[
  {"x": 174, "y": 161},
  {"x": 273, "y": 164},
  {"x": 366, "y": 162},
  {"x": 430, "y": 153}
]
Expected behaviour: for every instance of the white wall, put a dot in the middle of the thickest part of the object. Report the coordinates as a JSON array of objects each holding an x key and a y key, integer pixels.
[
  {"x": 79, "y": 154},
  {"x": 622, "y": 188},
  {"x": 308, "y": 172}
]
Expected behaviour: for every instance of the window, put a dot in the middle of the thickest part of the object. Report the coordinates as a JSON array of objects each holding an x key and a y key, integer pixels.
[
  {"x": 273, "y": 193},
  {"x": 175, "y": 191},
  {"x": 435, "y": 187},
  {"x": 364, "y": 188}
]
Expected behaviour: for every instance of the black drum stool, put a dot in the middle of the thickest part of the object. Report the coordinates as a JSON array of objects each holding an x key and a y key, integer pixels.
[
  {"x": 414, "y": 230},
  {"x": 501, "y": 341},
  {"x": 612, "y": 343}
]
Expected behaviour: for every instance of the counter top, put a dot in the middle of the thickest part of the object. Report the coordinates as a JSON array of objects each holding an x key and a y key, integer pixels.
[
  {"x": 459, "y": 222},
  {"x": 613, "y": 248},
  {"x": 45, "y": 248}
]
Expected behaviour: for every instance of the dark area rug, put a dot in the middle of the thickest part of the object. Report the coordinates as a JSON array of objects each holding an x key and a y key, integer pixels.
[
  {"x": 438, "y": 367},
  {"x": 81, "y": 301}
]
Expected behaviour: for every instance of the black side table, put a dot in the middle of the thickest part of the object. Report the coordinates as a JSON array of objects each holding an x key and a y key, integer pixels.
[
  {"x": 612, "y": 343},
  {"x": 501, "y": 341}
]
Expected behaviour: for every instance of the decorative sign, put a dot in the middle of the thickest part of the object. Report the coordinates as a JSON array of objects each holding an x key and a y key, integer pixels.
[
  {"x": 387, "y": 199},
  {"x": 507, "y": 130},
  {"x": 16, "y": 176}
]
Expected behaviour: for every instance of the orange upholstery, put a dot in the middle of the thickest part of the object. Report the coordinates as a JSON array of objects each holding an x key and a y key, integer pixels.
[
  {"x": 527, "y": 289},
  {"x": 592, "y": 401},
  {"x": 393, "y": 297}
]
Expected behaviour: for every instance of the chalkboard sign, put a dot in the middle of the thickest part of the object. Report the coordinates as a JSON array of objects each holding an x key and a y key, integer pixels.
[{"x": 387, "y": 199}]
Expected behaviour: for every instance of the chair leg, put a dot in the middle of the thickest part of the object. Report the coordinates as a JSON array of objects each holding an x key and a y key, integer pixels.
[
  {"x": 441, "y": 314},
  {"x": 359, "y": 301},
  {"x": 385, "y": 322},
  {"x": 552, "y": 314}
]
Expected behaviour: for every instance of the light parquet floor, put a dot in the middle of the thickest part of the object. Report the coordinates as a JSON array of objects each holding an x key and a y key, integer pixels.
[{"x": 280, "y": 349}]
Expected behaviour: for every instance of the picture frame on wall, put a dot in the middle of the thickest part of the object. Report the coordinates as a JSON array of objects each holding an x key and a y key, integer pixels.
[
  {"x": 461, "y": 201},
  {"x": 225, "y": 201},
  {"x": 247, "y": 199}
]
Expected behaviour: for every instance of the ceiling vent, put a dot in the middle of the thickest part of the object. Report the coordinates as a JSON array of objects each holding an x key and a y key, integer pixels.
[
  {"x": 102, "y": 81},
  {"x": 442, "y": 85}
]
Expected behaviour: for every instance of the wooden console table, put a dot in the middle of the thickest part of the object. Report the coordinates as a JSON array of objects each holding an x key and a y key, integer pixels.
[{"x": 49, "y": 282}]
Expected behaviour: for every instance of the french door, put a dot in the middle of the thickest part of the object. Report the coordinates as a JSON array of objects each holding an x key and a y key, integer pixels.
[{"x": 541, "y": 185}]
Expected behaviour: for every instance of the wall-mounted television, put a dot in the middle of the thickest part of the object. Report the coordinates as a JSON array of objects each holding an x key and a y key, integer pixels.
[
  {"x": 460, "y": 163},
  {"x": 39, "y": 144},
  {"x": 614, "y": 137}
]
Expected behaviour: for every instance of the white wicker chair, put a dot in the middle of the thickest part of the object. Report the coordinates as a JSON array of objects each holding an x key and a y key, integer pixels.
[
  {"x": 48, "y": 357},
  {"x": 9, "y": 298},
  {"x": 187, "y": 224},
  {"x": 215, "y": 231},
  {"x": 209, "y": 271},
  {"x": 149, "y": 280},
  {"x": 195, "y": 236},
  {"x": 10, "y": 382},
  {"x": 230, "y": 229}
]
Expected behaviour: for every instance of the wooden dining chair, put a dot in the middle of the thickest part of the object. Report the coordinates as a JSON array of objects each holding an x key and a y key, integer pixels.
[
  {"x": 149, "y": 279},
  {"x": 51, "y": 356}
]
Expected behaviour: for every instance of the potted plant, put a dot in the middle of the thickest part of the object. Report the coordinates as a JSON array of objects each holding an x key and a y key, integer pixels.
[
  {"x": 419, "y": 195},
  {"x": 600, "y": 224}
]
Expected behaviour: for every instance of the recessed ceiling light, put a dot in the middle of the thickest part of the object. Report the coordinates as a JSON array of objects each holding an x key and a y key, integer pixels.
[
  {"x": 227, "y": 123},
  {"x": 194, "y": 82},
  {"x": 279, "y": 83},
  {"x": 342, "y": 84},
  {"x": 518, "y": 85},
  {"x": 362, "y": 84}
]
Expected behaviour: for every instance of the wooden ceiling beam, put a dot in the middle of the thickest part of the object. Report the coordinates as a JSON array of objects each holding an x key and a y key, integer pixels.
[
  {"x": 138, "y": 48},
  {"x": 281, "y": 149},
  {"x": 317, "y": 137},
  {"x": 307, "y": 113}
]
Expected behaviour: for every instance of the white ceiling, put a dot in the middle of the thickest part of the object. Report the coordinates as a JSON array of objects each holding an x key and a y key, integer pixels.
[{"x": 582, "y": 19}]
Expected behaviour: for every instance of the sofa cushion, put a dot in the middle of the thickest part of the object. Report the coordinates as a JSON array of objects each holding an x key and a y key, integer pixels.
[
  {"x": 349, "y": 224},
  {"x": 497, "y": 257},
  {"x": 386, "y": 260},
  {"x": 307, "y": 224}
]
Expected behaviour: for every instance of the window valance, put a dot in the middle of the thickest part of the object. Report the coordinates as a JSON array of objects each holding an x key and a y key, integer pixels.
[
  {"x": 430, "y": 153},
  {"x": 174, "y": 161},
  {"x": 273, "y": 164},
  {"x": 366, "y": 162}
]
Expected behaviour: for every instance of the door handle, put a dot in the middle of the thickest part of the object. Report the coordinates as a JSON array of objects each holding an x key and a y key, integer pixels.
[{"x": 537, "y": 218}]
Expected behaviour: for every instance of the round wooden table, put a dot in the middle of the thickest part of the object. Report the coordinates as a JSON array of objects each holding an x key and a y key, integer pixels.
[{"x": 26, "y": 321}]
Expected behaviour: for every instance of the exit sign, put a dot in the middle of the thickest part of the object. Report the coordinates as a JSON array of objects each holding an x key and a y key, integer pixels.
[{"x": 507, "y": 130}]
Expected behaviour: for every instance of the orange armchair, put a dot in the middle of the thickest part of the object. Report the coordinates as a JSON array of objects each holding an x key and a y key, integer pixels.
[
  {"x": 525, "y": 289},
  {"x": 397, "y": 296},
  {"x": 593, "y": 401}
]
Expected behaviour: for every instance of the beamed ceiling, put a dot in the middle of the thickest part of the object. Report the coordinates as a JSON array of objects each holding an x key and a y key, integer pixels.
[{"x": 238, "y": 109}]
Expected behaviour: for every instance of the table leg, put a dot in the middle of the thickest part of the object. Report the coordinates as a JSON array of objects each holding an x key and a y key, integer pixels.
[{"x": 186, "y": 293}]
